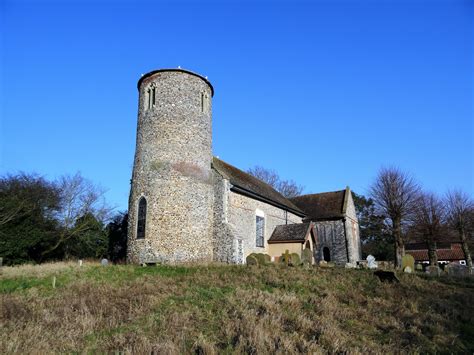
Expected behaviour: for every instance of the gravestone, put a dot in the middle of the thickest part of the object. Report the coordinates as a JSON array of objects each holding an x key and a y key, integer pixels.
[
  {"x": 104, "y": 262},
  {"x": 408, "y": 270},
  {"x": 295, "y": 259},
  {"x": 307, "y": 257},
  {"x": 408, "y": 261},
  {"x": 251, "y": 260},
  {"x": 262, "y": 259},
  {"x": 433, "y": 270},
  {"x": 268, "y": 258},
  {"x": 456, "y": 269},
  {"x": 80, "y": 263},
  {"x": 371, "y": 263},
  {"x": 419, "y": 267},
  {"x": 285, "y": 258}
]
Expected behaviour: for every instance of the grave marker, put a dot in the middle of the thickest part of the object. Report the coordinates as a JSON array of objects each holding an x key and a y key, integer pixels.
[
  {"x": 371, "y": 263},
  {"x": 433, "y": 270},
  {"x": 287, "y": 257},
  {"x": 408, "y": 261},
  {"x": 456, "y": 269}
]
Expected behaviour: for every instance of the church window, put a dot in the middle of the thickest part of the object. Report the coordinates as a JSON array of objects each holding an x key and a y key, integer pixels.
[
  {"x": 141, "y": 218},
  {"x": 151, "y": 96},
  {"x": 260, "y": 229},
  {"x": 204, "y": 102}
]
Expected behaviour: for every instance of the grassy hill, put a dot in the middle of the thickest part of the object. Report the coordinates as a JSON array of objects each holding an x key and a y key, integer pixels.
[{"x": 227, "y": 309}]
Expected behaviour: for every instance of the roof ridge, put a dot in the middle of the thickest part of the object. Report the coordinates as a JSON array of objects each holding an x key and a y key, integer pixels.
[
  {"x": 284, "y": 201},
  {"x": 318, "y": 193}
]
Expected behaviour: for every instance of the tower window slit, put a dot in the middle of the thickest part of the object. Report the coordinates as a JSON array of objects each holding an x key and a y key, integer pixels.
[
  {"x": 202, "y": 102},
  {"x": 154, "y": 96},
  {"x": 141, "y": 218}
]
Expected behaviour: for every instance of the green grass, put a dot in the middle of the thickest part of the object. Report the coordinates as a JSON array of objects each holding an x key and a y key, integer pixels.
[
  {"x": 43, "y": 284},
  {"x": 231, "y": 309}
]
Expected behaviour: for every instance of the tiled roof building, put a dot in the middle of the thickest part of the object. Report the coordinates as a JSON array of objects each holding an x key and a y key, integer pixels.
[{"x": 186, "y": 205}]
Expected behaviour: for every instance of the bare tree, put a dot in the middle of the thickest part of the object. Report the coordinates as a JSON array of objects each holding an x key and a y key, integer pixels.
[
  {"x": 266, "y": 175},
  {"x": 460, "y": 208},
  {"x": 78, "y": 198},
  {"x": 287, "y": 188},
  {"x": 429, "y": 218},
  {"x": 394, "y": 193}
]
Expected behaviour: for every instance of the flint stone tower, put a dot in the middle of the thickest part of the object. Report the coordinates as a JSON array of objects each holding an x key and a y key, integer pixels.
[{"x": 171, "y": 197}]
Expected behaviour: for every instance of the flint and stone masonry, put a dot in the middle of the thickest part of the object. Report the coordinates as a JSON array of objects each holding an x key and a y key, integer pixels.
[
  {"x": 185, "y": 205},
  {"x": 172, "y": 169}
]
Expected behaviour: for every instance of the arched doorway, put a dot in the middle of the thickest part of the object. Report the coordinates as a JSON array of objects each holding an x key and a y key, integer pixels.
[{"x": 326, "y": 254}]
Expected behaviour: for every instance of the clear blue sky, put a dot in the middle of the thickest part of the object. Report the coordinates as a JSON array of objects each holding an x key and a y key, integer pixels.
[{"x": 324, "y": 92}]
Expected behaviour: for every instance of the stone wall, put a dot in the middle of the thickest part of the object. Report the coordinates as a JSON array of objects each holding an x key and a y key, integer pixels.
[
  {"x": 241, "y": 215},
  {"x": 172, "y": 170},
  {"x": 235, "y": 223},
  {"x": 224, "y": 242},
  {"x": 331, "y": 234},
  {"x": 352, "y": 230}
]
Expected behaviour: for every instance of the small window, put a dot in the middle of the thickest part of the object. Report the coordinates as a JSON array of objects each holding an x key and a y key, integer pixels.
[
  {"x": 260, "y": 224},
  {"x": 151, "y": 96},
  {"x": 204, "y": 102},
  {"x": 141, "y": 219}
]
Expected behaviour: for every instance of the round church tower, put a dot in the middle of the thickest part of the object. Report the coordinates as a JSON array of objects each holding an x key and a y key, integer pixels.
[{"x": 171, "y": 197}]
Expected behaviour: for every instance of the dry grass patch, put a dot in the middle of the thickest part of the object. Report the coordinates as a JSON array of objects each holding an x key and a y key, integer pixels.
[
  {"x": 234, "y": 309},
  {"x": 43, "y": 270}
]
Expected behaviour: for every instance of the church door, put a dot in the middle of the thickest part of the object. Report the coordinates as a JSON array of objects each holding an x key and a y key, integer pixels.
[{"x": 326, "y": 254}]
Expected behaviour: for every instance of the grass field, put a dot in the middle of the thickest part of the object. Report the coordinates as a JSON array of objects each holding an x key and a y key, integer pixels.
[{"x": 230, "y": 309}]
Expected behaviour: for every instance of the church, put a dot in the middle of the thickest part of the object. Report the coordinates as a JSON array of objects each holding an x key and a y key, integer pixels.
[{"x": 186, "y": 205}]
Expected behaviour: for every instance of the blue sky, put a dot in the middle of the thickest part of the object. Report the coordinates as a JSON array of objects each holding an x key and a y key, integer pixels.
[{"x": 324, "y": 92}]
